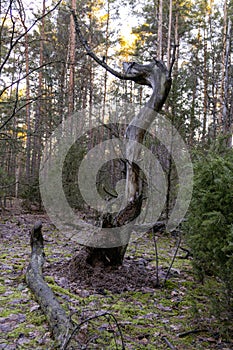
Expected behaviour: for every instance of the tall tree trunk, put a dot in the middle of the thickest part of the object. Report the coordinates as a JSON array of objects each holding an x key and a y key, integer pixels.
[
  {"x": 192, "y": 114},
  {"x": 160, "y": 31},
  {"x": 220, "y": 119},
  {"x": 170, "y": 160},
  {"x": 106, "y": 58},
  {"x": 28, "y": 120},
  {"x": 90, "y": 109},
  {"x": 169, "y": 35},
  {"x": 214, "y": 88},
  {"x": 230, "y": 138},
  {"x": 205, "y": 103},
  {"x": 36, "y": 154},
  {"x": 62, "y": 50},
  {"x": 71, "y": 62},
  {"x": 225, "y": 111}
]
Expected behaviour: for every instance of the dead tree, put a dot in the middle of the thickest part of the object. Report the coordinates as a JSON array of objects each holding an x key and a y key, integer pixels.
[{"x": 158, "y": 77}]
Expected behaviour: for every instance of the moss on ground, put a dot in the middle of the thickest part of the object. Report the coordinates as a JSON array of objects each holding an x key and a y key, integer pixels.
[{"x": 145, "y": 318}]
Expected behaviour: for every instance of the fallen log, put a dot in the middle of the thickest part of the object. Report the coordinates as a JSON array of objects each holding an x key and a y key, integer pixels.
[{"x": 59, "y": 323}]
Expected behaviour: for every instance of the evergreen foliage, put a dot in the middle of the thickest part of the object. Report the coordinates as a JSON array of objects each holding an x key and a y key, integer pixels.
[{"x": 210, "y": 220}]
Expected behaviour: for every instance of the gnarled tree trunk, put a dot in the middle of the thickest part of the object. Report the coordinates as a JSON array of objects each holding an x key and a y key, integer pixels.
[{"x": 158, "y": 77}]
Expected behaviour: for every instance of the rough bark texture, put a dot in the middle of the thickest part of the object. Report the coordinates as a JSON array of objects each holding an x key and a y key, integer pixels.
[
  {"x": 155, "y": 75},
  {"x": 114, "y": 256},
  {"x": 158, "y": 77},
  {"x": 56, "y": 316}
]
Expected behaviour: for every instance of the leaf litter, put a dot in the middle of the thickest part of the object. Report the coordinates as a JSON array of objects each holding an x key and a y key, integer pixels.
[{"x": 149, "y": 317}]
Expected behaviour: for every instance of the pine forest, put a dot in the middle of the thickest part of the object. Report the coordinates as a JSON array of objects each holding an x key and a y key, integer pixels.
[{"x": 116, "y": 174}]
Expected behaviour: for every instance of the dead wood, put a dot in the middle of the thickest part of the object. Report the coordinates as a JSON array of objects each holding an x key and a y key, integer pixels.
[
  {"x": 193, "y": 331},
  {"x": 59, "y": 323},
  {"x": 168, "y": 343},
  {"x": 157, "y": 76}
]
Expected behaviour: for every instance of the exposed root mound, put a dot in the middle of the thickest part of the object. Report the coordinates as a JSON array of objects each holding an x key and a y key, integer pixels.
[{"x": 133, "y": 275}]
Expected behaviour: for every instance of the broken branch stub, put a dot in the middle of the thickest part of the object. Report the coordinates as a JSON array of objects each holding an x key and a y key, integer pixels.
[{"x": 130, "y": 73}]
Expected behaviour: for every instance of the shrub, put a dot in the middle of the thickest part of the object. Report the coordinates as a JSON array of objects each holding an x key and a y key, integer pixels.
[{"x": 209, "y": 226}]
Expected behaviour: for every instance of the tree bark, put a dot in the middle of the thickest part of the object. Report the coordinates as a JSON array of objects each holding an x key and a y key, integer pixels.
[
  {"x": 225, "y": 113},
  {"x": 205, "y": 97},
  {"x": 71, "y": 62},
  {"x": 27, "y": 107},
  {"x": 37, "y": 141},
  {"x": 160, "y": 31},
  {"x": 224, "y": 38},
  {"x": 169, "y": 34},
  {"x": 158, "y": 77},
  {"x": 56, "y": 316}
]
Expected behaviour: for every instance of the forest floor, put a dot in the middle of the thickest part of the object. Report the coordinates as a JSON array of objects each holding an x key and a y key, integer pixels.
[{"x": 178, "y": 315}]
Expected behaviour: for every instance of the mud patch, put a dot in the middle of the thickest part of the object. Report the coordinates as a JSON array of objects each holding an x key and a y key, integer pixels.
[{"x": 133, "y": 275}]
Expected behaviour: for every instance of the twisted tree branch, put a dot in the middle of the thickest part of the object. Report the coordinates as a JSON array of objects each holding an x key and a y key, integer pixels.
[{"x": 103, "y": 64}]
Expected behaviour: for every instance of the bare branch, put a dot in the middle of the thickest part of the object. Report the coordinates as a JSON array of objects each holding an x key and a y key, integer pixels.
[
  {"x": 173, "y": 259},
  {"x": 194, "y": 331},
  {"x": 5, "y": 17},
  {"x": 15, "y": 111},
  {"x": 173, "y": 60},
  {"x": 12, "y": 45},
  {"x": 168, "y": 343},
  {"x": 156, "y": 257},
  {"x": 26, "y": 75},
  {"x": 106, "y": 315},
  {"x": 90, "y": 53}
]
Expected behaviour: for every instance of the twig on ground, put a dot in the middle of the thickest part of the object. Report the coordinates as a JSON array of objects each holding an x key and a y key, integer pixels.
[
  {"x": 187, "y": 255},
  {"x": 107, "y": 315},
  {"x": 194, "y": 331},
  {"x": 168, "y": 343},
  {"x": 156, "y": 257},
  {"x": 173, "y": 259}
]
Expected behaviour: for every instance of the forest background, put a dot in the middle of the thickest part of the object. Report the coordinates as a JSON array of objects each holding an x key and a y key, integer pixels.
[{"x": 46, "y": 76}]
